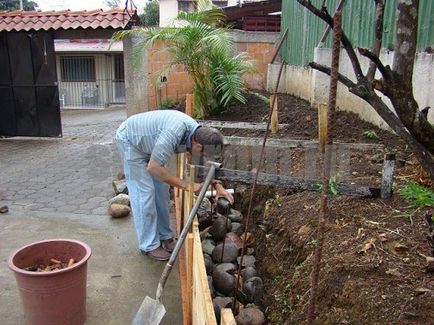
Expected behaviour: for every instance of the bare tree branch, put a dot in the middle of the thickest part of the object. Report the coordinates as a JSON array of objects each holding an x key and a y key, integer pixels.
[
  {"x": 378, "y": 37},
  {"x": 324, "y": 15},
  {"x": 385, "y": 70},
  {"x": 347, "y": 82}
]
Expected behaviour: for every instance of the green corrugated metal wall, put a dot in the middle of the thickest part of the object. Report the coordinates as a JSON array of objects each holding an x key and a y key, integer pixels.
[{"x": 305, "y": 29}]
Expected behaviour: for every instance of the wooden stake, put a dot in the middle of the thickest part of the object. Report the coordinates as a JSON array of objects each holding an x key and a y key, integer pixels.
[
  {"x": 322, "y": 125},
  {"x": 387, "y": 178},
  {"x": 274, "y": 114},
  {"x": 227, "y": 317},
  {"x": 189, "y": 104}
]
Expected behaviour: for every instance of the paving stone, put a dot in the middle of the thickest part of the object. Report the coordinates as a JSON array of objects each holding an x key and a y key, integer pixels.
[{"x": 100, "y": 211}]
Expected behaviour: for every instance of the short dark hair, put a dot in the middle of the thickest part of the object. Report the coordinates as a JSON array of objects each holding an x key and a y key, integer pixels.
[{"x": 210, "y": 138}]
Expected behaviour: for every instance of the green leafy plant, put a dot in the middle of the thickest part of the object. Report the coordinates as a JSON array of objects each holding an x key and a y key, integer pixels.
[
  {"x": 333, "y": 186},
  {"x": 151, "y": 14},
  {"x": 371, "y": 134},
  {"x": 418, "y": 196},
  {"x": 166, "y": 104},
  {"x": 205, "y": 50}
]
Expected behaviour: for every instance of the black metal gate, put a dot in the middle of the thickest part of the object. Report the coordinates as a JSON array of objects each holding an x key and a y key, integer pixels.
[{"x": 29, "y": 99}]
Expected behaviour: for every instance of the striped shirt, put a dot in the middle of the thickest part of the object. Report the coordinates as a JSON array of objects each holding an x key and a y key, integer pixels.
[{"x": 158, "y": 134}]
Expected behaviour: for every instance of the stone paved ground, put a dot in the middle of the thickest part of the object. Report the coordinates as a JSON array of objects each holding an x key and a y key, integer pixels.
[
  {"x": 72, "y": 174},
  {"x": 58, "y": 188}
]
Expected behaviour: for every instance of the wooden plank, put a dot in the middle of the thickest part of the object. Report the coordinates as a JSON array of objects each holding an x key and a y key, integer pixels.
[
  {"x": 189, "y": 104},
  {"x": 227, "y": 317},
  {"x": 290, "y": 143},
  {"x": 274, "y": 114},
  {"x": 203, "y": 311},
  {"x": 387, "y": 178},
  {"x": 296, "y": 183},
  {"x": 188, "y": 279},
  {"x": 179, "y": 209},
  {"x": 322, "y": 125},
  {"x": 258, "y": 126}
]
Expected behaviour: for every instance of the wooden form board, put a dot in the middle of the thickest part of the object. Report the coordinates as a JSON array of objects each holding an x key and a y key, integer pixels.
[
  {"x": 203, "y": 311},
  {"x": 196, "y": 299}
]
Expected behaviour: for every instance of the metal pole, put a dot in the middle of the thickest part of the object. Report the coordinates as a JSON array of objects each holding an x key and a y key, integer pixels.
[
  {"x": 21, "y": 5},
  {"x": 326, "y": 164}
]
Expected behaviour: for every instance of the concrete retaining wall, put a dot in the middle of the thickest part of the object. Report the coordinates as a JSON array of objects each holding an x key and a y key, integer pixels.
[{"x": 313, "y": 86}]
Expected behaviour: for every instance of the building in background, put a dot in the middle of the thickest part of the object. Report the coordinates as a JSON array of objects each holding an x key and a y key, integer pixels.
[
  {"x": 170, "y": 8},
  {"x": 90, "y": 73}
]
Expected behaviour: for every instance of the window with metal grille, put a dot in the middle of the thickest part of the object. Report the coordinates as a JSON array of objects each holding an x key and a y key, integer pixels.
[{"x": 77, "y": 68}]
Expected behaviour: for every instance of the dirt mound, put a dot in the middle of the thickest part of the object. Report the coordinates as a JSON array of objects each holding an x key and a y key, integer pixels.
[
  {"x": 302, "y": 120},
  {"x": 373, "y": 265}
]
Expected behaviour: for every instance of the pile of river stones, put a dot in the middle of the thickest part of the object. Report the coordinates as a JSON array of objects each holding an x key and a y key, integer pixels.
[{"x": 222, "y": 234}]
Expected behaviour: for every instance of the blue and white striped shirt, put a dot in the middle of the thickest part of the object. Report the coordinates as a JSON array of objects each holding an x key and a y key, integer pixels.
[{"x": 158, "y": 134}]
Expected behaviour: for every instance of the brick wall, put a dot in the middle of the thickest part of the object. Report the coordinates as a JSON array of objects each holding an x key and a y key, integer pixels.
[
  {"x": 177, "y": 85},
  {"x": 261, "y": 54}
]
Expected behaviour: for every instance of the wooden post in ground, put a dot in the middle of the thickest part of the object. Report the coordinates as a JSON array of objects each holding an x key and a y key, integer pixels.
[
  {"x": 387, "y": 178},
  {"x": 274, "y": 114},
  {"x": 322, "y": 125},
  {"x": 189, "y": 104},
  {"x": 227, "y": 317},
  {"x": 189, "y": 242}
]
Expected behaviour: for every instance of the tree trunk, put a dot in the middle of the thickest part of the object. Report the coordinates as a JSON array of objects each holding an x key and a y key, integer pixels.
[{"x": 400, "y": 89}]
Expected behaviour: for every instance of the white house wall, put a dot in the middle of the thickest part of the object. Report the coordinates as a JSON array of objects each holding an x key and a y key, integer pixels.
[
  {"x": 102, "y": 76},
  {"x": 313, "y": 85},
  {"x": 168, "y": 11}
]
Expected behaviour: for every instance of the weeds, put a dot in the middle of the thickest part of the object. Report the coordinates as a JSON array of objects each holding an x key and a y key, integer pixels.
[
  {"x": 418, "y": 196},
  {"x": 333, "y": 185},
  {"x": 167, "y": 104},
  {"x": 371, "y": 134}
]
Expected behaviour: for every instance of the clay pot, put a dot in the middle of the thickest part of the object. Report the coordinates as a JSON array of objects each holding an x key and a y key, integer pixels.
[{"x": 56, "y": 297}]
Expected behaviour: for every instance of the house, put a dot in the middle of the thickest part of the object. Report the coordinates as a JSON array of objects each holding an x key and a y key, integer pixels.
[
  {"x": 170, "y": 8},
  {"x": 90, "y": 73},
  {"x": 35, "y": 80},
  {"x": 253, "y": 15}
]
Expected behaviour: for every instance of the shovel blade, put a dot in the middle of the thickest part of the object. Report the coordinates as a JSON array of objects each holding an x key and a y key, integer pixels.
[{"x": 151, "y": 312}]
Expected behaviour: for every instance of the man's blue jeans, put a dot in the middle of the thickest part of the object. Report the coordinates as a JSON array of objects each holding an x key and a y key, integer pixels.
[{"x": 149, "y": 198}]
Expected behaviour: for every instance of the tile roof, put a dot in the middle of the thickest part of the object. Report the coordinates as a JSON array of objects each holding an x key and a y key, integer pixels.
[{"x": 53, "y": 20}]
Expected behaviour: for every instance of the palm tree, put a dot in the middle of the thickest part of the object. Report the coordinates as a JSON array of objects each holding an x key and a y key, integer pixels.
[{"x": 205, "y": 50}]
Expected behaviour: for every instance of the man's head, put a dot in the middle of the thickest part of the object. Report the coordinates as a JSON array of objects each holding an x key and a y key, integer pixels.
[{"x": 207, "y": 142}]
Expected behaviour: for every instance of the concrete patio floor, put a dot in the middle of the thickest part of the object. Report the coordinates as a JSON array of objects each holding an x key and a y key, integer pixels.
[{"x": 58, "y": 188}]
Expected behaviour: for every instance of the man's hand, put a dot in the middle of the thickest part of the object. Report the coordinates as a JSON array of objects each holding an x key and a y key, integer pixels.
[{"x": 221, "y": 192}]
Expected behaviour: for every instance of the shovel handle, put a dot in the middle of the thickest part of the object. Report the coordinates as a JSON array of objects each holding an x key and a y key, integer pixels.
[{"x": 183, "y": 235}]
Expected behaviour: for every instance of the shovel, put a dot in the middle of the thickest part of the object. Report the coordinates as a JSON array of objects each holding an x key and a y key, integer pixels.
[{"x": 152, "y": 311}]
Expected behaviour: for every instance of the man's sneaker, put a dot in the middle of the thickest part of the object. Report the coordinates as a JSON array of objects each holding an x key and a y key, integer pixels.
[
  {"x": 159, "y": 254},
  {"x": 169, "y": 244}
]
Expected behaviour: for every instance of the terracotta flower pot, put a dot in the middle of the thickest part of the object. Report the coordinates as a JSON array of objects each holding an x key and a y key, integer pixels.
[{"x": 56, "y": 297}]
